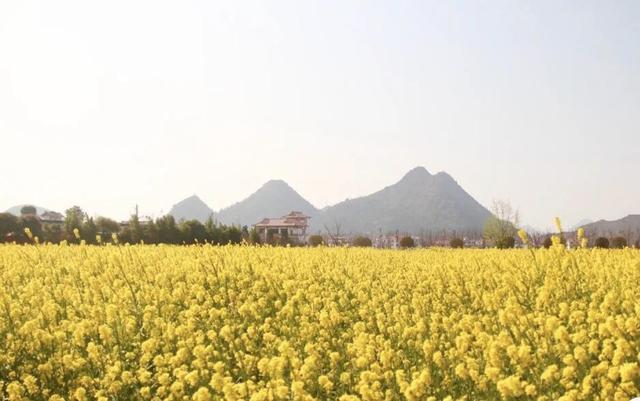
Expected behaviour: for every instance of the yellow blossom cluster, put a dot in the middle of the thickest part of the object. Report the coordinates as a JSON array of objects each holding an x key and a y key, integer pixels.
[{"x": 203, "y": 323}]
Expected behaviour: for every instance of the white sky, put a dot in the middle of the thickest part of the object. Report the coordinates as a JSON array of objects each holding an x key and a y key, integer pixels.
[{"x": 109, "y": 104}]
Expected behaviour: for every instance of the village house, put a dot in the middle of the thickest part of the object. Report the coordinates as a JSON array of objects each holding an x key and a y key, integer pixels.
[
  {"x": 143, "y": 220},
  {"x": 52, "y": 218},
  {"x": 291, "y": 227}
]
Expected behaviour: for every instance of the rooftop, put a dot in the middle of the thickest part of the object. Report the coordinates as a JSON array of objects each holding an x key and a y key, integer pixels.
[
  {"x": 293, "y": 219},
  {"x": 279, "y": 222}
]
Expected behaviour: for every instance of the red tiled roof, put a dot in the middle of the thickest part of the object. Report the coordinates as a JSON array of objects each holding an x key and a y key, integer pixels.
[
  {"x": 50, "y": 215},
  {"x": 297, "y": 214},
  {"x": 279, "y": 223},
  {"x": 293, "y": 219}
]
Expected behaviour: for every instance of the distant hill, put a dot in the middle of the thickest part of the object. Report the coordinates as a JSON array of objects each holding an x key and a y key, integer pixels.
[
  {"x": 531, "y": 229},
  {"x": 274, "y": 199},
  {"x": 15, "y": 210},
  {"x": 626, "y": 226},
  {"x": 418, "y": 202},
  {"x": 581, "y": 223},
  {"x": 192, "y": 208}
]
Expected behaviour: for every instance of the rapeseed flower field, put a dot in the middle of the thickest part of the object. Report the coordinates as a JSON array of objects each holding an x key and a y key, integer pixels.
[{"x": 205, "y": 323}]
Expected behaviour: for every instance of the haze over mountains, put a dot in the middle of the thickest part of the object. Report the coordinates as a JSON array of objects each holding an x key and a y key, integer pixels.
[
  {"x": 275, "y": 198},
  {"x": 624, "y": 226},
  {"x": 581, "y": 223},
  {"x": 419, "y": 202},
  {"x": 15, "y": 210}
]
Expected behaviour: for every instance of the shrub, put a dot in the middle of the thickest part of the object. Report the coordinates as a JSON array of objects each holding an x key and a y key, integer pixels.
[
  {"x": 506, "y": 243},
  {"x": 254, "y": 237},
  {"x": 407, "y": 242},
  {"x": 282, "y": 240},
  {"x": 548, "y": 242},
  {"x": 619, "y": 243},
  {"x": 602, "y": 242},
  {"x": 9, "y": 225},
  {"x": 362, "y": 241},
  {"x": 315, "y": 240},
  {"x": 456, "y": 243}
]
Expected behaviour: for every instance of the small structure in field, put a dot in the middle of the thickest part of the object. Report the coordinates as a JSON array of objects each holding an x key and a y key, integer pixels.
[{"x": 289, "y": 228}]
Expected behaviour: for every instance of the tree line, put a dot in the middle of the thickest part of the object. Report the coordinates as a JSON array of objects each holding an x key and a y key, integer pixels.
[
  {"x": 500, "y": 231},
  {"x": 77, "y": 226}
]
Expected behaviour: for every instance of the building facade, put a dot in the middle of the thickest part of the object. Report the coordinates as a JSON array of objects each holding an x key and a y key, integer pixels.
[{"x": 289, "y": 228}]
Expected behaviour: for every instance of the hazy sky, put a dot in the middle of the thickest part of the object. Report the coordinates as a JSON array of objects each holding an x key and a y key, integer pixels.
[{"x": 106, "y": 104}]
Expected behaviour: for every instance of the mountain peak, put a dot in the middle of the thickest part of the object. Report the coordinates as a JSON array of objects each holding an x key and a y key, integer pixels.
[
  {"x": 418, "y": 176},
  {"x": 419, "y": 202},
  {"x": 274, "y": 198},
  {"x": 444, "y": 176},
  {"x": 191, "y": 208},
  {"x": 191, "y": 199},
  {"x": 417, "y": 173},
  {"x": 276, "y": 184}
]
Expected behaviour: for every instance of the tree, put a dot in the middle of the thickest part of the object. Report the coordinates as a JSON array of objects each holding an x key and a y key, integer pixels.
[
  {"x": 407, "y": 242},
  {"x": 361, "y": 241},
  {"x": 8, "y": 225},
  {"x": 254, "y": 237},
  {"x": 315, "y": 240},
  {"x": 52, "y": 233},
  {"x": 135, "y": 229},
  {"x": 210, "y": 227},
  {"x": 192, "y": 231},
  {"x": 498, "y": 232},
  {"x": 234, "y": 235},
  {"x": 28, "y": 210},
  {"x": 125, "y": 236},
  {"x": 168, "y": 232},
  {"x": 456, "y": 243},
  {"x": 500, "y": 229},
  {"x": 150, "y": 233},
  {"x": 215, "y": 235},
  {"x": 74, "y": 217},
  {"x": 619, "y": 243},
  {"x": 506, "y": 243},
  {"x": 245, "y": 233},
  {"x": 602, "y": 242},
  {"x": 106, "y": 227},
  {"x": 335, "y": 238},
  {"x": 536, "y": 238},
  {"x": 33, "y": 223},
  {"x": 89, "y": 231}
]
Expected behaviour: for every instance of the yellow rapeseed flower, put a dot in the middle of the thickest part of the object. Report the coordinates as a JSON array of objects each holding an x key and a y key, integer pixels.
[
  {"x": 209, "y": 322},
  {"x": 523, "y": 236},
  {"x": 558, "y": 225}
]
